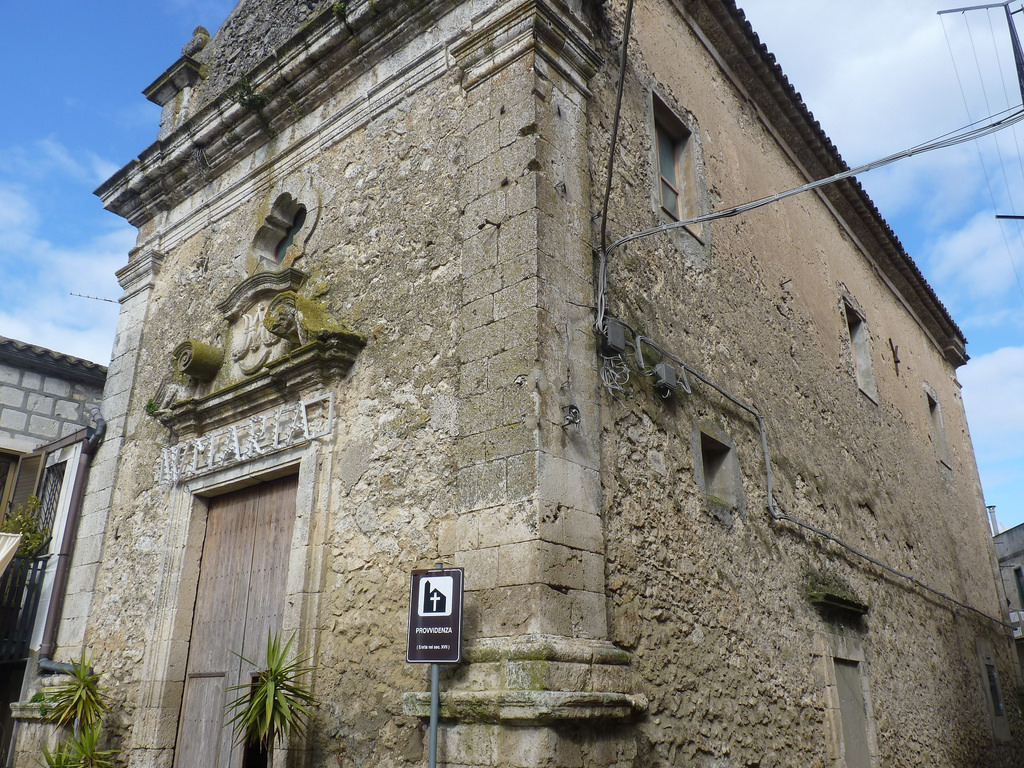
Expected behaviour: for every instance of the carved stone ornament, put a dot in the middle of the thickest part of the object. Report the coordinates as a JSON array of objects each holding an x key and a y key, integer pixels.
[
  {"x": 279, "y": 345},
  {"x": 198, "y": 360},
  {"x": 253, "y": 345}
]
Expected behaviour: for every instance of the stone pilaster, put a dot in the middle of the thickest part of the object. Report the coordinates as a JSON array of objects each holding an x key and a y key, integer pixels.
[
  {"x": 529, "y": 531},
  {"x": 137, "y": 279}
]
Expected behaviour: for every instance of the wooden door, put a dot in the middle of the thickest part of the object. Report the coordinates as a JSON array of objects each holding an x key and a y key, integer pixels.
[{"x": 239, "y": 598}]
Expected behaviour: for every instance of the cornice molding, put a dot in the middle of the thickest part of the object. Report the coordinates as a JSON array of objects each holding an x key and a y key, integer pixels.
[
  {"x": 138, "y": 274},
  {"x": 300, "y": 77},
  {"x": 548, "y": 31}
]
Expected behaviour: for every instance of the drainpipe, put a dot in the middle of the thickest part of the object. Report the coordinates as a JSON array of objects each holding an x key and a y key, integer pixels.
[{"x": 93, "y": 438}]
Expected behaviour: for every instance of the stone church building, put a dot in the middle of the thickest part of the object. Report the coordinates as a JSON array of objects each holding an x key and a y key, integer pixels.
[{"x": 713, "y": 489}]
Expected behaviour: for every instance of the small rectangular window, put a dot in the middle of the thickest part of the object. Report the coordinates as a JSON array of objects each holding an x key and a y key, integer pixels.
[
  {"x": 860, "y": 351},
  {"x": 938, "y": 431},
  {"x": 715, "y": 458},
  {"x": 993, "y": 690},
  {"x": 677, "y": 184},
  {"x": 717, "y": 471}
]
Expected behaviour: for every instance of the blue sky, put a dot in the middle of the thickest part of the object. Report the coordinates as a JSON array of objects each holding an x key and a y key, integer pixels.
[{"x": 879, "y": 76}]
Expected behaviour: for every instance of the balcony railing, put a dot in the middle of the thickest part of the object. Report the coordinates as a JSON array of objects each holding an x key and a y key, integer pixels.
[{"x": 20, "y": 587}]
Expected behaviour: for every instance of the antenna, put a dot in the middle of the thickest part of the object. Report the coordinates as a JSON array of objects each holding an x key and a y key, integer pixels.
[{"x": 95, "y": 298}]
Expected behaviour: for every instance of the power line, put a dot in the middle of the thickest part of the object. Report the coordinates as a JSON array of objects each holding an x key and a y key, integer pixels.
[
  {"x": 947, "y": 140},
  {"x": 967, "y": 110}
]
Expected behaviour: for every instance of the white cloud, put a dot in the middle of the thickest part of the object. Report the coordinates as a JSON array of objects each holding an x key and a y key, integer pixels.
[
  {"x": 993, "y": 391},
  {"x": 37, "y": 301},
  {"x": 974, "y": 262},
  {"x": 39, "y": 277},
  {"x": 17, "y": 216},
  {"x": 45, "y": 158}
]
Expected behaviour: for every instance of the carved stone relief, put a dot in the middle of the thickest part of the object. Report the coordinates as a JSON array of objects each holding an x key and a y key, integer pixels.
[{"x": 273, "y": 334}]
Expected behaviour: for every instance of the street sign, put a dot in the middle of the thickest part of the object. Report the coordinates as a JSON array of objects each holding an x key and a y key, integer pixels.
[{"x": 435, "y": 616}]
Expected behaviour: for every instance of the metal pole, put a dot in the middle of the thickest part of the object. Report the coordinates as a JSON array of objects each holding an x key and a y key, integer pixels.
[
  {"x": 435, "y": 674},
  {"x": 435, "y": 702}
]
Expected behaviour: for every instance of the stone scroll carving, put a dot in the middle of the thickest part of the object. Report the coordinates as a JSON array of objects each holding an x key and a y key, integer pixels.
[
  {"x": 274, "y": 343},
  {"x": 198, "y": 360}
]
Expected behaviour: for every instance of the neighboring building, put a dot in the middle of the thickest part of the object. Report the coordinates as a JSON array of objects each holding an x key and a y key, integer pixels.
[
  {"x": 358, "y": 337},
  {"x": 46, "y": 404},
  {"x": 1010, "y": 553}
]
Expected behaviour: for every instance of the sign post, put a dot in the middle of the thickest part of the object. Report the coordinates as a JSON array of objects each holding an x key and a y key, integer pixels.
[{"x": 435, "y": 630}]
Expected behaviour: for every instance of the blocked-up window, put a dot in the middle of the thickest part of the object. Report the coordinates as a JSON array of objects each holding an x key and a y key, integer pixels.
[
  {"x": 995, "y": 695},
  {"x": 853, "y": 714},
  {"x": 718, "y": 460},
  {"x": 852, "y": 736},
  {"x": 860, "y": 350},
  {"x": 937, "y": 429},
  {"x": 717, "y": 471},
  {"x": 993, "y": 692}
]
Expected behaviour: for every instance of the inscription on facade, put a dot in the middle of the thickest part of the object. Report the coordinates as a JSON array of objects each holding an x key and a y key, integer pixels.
[{"x": 288, "y": 426}]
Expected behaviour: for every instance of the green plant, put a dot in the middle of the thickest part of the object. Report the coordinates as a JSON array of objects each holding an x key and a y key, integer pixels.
[
  {"x": 24, "y": 519},
  {"x": 61, "y": 757},
  {"x": 151, "y": 408},
  {"x": 243, "y": 94},
  {"x": 276, "y": 702},
  {"x": 80, "y": 702},
  {"x": 84, "y": 748},
  {"x": 37, "y": 698}
]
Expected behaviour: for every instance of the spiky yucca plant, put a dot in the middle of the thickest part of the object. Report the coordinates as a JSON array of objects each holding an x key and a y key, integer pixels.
[
  {"x": 61, "y": 757},
  {"x": 276, "y": 703},
  {"x": 85, "y": 751},
  {"x": 80, "y": 702}
]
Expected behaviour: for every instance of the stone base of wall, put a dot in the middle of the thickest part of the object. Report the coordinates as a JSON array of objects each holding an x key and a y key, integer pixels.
[{"x": 522, "y": 696}]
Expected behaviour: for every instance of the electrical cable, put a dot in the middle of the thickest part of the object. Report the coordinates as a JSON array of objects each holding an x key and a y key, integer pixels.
[
  {"x": 981, "y": 157},
  {"x": 889, "y": 569},
  {"x": 774, "y": 514},
  {"x": 616, "y": 383},
  {"x": 602, "y": 274},
  {"x": 941, "y": 143},
  {"x": 615, "y": 120}
]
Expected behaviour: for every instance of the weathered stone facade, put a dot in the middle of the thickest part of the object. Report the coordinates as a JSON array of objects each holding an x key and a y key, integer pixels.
[{"x": 367, "y": 260}]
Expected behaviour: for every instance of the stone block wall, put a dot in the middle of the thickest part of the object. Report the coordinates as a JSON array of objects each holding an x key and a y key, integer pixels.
[{"x": 38, "y": 408}]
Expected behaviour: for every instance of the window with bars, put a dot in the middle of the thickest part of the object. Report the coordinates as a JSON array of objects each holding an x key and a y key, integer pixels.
[{"x": 49, "y": 495}]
